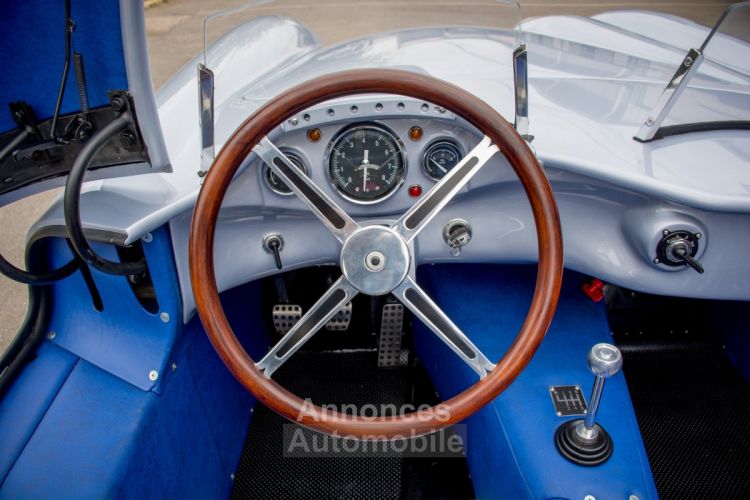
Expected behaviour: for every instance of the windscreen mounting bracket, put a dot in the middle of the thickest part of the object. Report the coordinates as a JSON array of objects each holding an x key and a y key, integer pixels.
[
  {"x": 670, "y": 95},
  {"x": 521, "y": 87}
]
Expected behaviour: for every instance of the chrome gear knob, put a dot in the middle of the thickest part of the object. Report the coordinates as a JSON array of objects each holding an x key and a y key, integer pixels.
[
  {"x": 584, "y": 441},
  {"x": 604, "y": 360}
]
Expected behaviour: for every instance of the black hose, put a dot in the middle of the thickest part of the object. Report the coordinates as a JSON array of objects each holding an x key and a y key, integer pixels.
[
  {"x": 33, "y": 330},
  {"x": 15, "y": 142},
  {"x": 27, "y": 278},
  {"x": 36, "y": 279},
  {"x": 25, "y": 344},
  {"x": 72, "y": 202}
]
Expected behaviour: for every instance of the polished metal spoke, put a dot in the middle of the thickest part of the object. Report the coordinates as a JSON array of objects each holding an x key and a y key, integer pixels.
[
  {"x": 324, "y": 309},
  {"x": 340, "y": 224},
  {"x": 419, "y": 303},
  {"x": 419, "y": 215}
]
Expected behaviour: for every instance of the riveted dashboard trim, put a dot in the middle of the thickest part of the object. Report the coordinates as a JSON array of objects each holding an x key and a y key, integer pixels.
[{"x": 344, "y": 110}]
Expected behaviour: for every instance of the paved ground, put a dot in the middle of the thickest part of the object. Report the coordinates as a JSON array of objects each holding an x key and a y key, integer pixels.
[{"x": 174, "y": 29}]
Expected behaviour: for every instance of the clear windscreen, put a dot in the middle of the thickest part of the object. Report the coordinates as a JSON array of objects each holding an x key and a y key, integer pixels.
[
  {"x": 719, "y": 92},
  {"x": 333, "y": 22},
  {"x": 442, "y": 38}
]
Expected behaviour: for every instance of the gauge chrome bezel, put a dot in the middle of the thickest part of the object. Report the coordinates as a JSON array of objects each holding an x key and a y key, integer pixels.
[
  {"x": 381, "y": 128},
  {"x": 434, "y": 144},
  {"x": 266, "y": 170}
]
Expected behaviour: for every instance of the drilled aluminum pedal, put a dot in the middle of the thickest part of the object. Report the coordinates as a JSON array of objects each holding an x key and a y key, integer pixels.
[
  {"x": 341, "y": 319},
  {"x": 391, "y": 331},
  {"x": 285, "y": 316}
]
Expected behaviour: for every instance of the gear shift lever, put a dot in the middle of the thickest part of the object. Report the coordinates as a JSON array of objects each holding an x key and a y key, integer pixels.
[{"x": 585, "y": 442}]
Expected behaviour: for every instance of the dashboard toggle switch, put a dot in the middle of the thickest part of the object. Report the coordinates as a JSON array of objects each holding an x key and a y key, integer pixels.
[
  {"x": 679, "y": 248},
  {"x": 274, "y": 244}
]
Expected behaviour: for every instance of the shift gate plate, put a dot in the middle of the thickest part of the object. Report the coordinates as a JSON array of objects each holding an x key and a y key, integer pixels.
[{"x": 568, "y": 400}]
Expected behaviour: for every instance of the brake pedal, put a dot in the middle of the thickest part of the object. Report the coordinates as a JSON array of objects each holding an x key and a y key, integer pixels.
[
  {"x": 390, "y": 354},
  {"x": 285, "y": 316},
  {"x": 340, "y": 321}
]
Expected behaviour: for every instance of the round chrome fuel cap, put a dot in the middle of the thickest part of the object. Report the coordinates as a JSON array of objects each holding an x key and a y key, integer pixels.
[{"x": 375, "y": 260}]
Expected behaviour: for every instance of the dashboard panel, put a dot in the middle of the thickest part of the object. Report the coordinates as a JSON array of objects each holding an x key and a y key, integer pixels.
[
  {"x": 374, "y": 157},
  {"x": 609, "y": 232}
]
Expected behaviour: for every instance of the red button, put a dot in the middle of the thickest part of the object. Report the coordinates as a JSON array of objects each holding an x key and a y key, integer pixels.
[
  {"x": 594, "y": 290},
  {"x": 415, "y": 190}
]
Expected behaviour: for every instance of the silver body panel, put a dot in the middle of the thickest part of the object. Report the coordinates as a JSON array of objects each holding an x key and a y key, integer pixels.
[{"x": 592, "y": 83}]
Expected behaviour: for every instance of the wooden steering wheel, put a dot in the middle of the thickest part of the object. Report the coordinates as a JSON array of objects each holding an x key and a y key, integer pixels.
[{"x": 375, "y": 260}]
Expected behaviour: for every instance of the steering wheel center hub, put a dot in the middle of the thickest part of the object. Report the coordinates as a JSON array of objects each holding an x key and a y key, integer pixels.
[{"x": 375, "y": 260}]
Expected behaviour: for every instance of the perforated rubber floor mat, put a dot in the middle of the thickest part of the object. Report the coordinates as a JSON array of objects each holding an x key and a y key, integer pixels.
[
  {"x": 693, "y": 408},
  {"x": 339, "y": 379}
]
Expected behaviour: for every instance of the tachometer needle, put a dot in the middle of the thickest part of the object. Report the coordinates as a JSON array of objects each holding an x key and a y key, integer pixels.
[
  {"x": 365, "y": 165},
  {"x": 439, "y": 166}
]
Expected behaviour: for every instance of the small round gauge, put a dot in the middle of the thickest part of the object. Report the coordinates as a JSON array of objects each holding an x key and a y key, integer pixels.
[
  {"x": 273, "y": 180},
  {"x": 366, "y": 163},
  {"x": 440, "y": 158}
]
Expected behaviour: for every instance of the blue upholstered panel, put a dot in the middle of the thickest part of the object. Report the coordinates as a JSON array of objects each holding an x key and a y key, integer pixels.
[
  {"x": 192, "y": 442},
  {"x": 227, "y": 404},
  {"x": 175, "y": 455},
  {"x": 95, "y": 434},
  {"x": 32, "y": 53},
  {"x": 82, "y": 446},
  {"x": 511, "y": 452},
  {"x": 123, "y": 338},
  {"x": 22, "y": 408}
]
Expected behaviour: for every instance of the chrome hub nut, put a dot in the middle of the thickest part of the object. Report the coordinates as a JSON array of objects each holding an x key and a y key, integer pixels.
[{"x": 375, "y": 260}]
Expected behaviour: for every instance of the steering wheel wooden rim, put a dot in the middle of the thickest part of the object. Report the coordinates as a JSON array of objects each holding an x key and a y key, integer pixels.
[{"x": 438, "y": 92}]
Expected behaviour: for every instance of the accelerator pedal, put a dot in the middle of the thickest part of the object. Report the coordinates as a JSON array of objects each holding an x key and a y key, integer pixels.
[
  {"x": 285, "y": 316},
  {"x": 390, "y": 354}
]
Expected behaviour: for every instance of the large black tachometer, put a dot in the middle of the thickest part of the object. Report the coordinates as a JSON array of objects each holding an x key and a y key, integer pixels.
[{"x": 366, "y": 163}]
